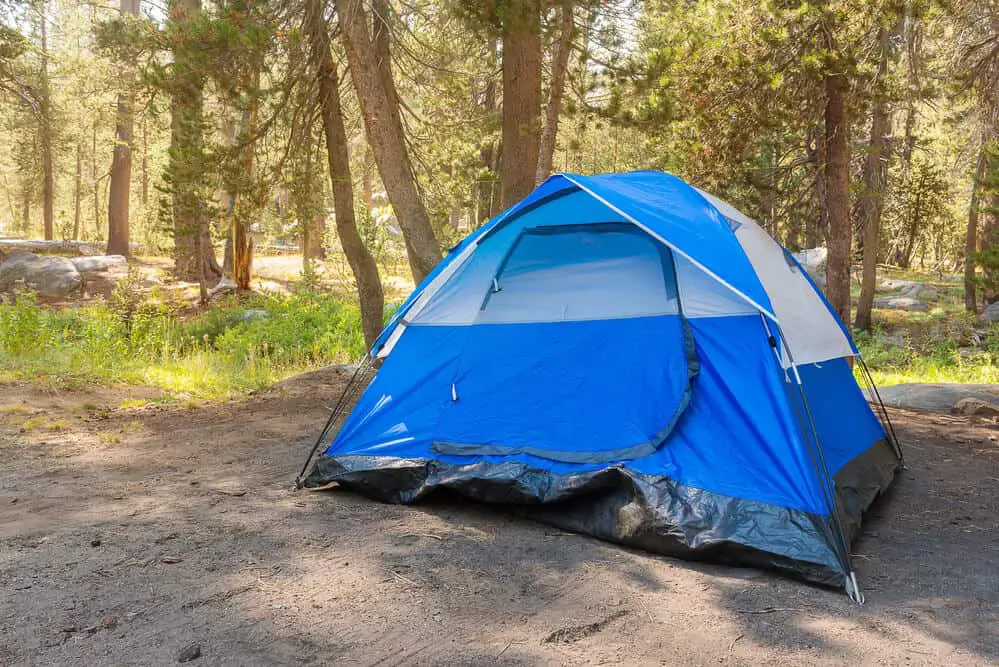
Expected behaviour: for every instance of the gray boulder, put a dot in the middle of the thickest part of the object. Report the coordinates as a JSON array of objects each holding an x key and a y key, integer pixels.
[
  {"x": 991, "y": 313},
  {"x": 894, "y": 341},
  {"x": 50, "y": 276},
  {"x": 251, "y": 314},
  {"x": 976, "y": 407},
  {"x": 901, "y": 303},
  {"x": 99, "y": 263},
  {"x": 224, "y": 286},
  {"x": 814, "y": 261},
  {"x": 937, "y": 397}
]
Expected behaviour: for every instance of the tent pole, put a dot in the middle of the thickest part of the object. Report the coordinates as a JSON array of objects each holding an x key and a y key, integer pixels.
[
  {"x": 822, "y": 472},
  {"x": 883, "y": 416},
  {"x": 335, "y": 413}
]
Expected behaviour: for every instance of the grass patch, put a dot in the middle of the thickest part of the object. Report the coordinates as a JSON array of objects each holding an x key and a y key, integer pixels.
[
  {"x": 942, "y": 344},
  {"x": 212, "y": 354},
  {"x": 45, "y": 424}
]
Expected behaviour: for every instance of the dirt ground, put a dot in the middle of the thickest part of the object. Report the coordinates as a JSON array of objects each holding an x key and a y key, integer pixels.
[{"x": 144, "y": 535}]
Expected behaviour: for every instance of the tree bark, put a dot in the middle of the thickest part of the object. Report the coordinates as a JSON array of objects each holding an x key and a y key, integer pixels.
[
  {"x": 384, "y": 130},
  {"x": 243, "y": 209},
  {"x": 875, "y": 177},
  {"x": 487, "y": 187},
  {"x": 971, "y": 236},
  {"x": 194, "y": 257},
  {"x": 381, "y": 40},
  {"x": 45, "y": 112},
  {"x": 553, "y": 109},
  {"x": 521, "y": 99},
  {"x": 121, "y": 161},
  {"x": 312, "y": 219},
  {"x": 837, "y": 181},
  {"x": 145, "y": 162},
  {"x": 815, "y": 228},
  {"x": 25, "y": 208},
  {"x": 77, "y": 191},
  {"x": 362, "y": 264}
]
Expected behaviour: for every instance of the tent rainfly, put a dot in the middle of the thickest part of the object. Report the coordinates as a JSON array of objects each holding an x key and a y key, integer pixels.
[{"x": 632, "y": 358}]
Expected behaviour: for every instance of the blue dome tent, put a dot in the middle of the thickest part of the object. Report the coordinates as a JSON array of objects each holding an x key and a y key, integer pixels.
[{"x": 629, "y": 357}]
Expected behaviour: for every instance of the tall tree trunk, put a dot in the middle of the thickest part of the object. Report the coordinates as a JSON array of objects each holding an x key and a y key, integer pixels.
[
  {"x": 560, "y": 64},
  {"x": 914, "y": 49},
  {"x": 816, "y": 225},
  {"x": 25, "y": 207},
  {"x": 837, "y": 178},
  {"x": 487, "y": 191},
  {"x": 875, "y": 177},
  {"x": 312, "y": 219},
  {"x": 971, "y": 236},
  {"x": 990, "y": 229},
  {"x": 362, "y": 264},
  {"x": 381, "y": 41},
  {"x": 383, "y": 126},
  {"x": 77, "y": 191},
  {"x": 95, "y": 182},
  {"x": 194, "y": 257},
  {"x": 239, "y": 204},
  {"x": 521, "y": 99},
  {"x": 242, "y": 240},
  {"x": 121, "y": 161},
  {"x": 45, "y": 111},
  {"x": 145, "y": 161}
]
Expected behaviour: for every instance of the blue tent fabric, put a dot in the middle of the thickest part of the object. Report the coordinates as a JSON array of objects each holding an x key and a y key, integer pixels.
[{"x": 551, "y": 364}]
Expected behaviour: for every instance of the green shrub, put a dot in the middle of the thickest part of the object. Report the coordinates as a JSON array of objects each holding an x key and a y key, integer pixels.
[{"x": 147, "y": 341}]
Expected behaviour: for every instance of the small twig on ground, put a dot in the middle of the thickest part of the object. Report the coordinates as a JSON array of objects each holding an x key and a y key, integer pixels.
[
  {"x": 766, "y": 610},
  {"x": 430, "y": 535},
  {"x": 732, "y": 645},
  {"x": 401, "y": 578},
  {"x": 508, "y": 645}
]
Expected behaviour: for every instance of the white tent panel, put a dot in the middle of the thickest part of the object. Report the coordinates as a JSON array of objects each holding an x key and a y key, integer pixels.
[
  {"x": 810, "y": 330},
  {"x": 703, "y": 296}
]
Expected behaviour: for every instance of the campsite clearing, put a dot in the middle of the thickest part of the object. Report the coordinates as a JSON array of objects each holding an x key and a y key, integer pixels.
[{"x": 132, "y": 531}]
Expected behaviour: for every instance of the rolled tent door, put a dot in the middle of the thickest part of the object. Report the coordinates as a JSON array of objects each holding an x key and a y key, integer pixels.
[{"x": 583, "y": 325}]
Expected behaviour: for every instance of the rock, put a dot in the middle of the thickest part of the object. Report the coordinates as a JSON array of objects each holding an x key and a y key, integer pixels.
[
  {"x": 225, "y": 286},
  {"x": 895, "y": 341},
  {"x": 98, "y": 262},
  {"x": 49, "y": 247},
  {"x": 991, "y": 313},
  {"x": 252, "y": 314},
  {"x": 109, "y": 622},
  {"x": 189, "y": 653},
  {"x": 814, "y": 261},
  {"x": 906, "y": 303},
  {"x": 171, "y": 560},
  {"x": 936, "y": 397},
  {"x": 977, "y": 407},
  {"x": 50, "y": 276},
  {"x": 95, "y": 542},
  {"x": 891, "y": 284}
]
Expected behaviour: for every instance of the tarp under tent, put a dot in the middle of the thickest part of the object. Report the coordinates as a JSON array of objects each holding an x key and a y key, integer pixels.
[{"x": 632, "y": 358}]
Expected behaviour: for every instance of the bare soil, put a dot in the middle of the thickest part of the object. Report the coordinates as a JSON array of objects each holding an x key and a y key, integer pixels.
[{"x": 143, "y": 536}]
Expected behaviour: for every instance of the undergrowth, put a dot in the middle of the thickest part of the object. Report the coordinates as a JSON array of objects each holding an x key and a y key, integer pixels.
[
  {"x": 942, "y": 344},
  {"x": 149, "y": 341}
]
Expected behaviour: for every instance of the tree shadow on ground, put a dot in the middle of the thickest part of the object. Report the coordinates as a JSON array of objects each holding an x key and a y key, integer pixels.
[{"x": 186, "y": 531}]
